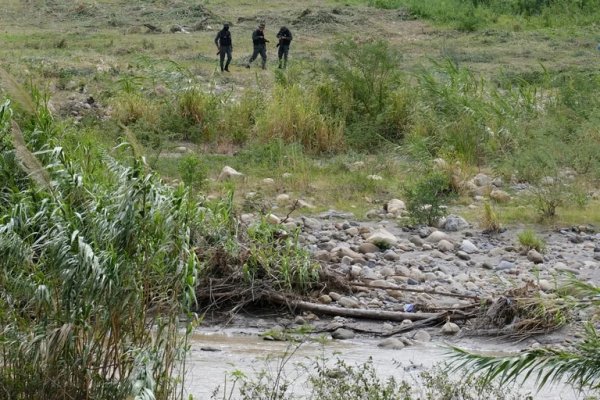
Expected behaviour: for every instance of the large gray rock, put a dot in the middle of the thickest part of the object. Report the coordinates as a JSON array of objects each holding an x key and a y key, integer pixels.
[
  {"x": 454, "y": 223},
  {"x": 468, "y": 247},
  {"x": 535, "y": 257},
  {"x": 450, "y": 328},
  {"x": 445, "y": 246},
  {"x": 391, "y": 343},
  {"x": 348, "y": 302},
  {"x": 482, "y": 180},
  {"x": 366, "y": 248},
  {"x": 505, "y": 265},
  {"x": 342, "y": 334},
  {"x": 436, "y": 236}
]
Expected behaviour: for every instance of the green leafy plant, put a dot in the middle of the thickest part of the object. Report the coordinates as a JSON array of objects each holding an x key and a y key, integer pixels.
[
  {"x": 193, "y": 171},
  {"x": 425, "y": 197}
]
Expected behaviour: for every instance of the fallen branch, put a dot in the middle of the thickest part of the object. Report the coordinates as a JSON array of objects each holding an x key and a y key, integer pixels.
[{"x": 380, "y": 315}]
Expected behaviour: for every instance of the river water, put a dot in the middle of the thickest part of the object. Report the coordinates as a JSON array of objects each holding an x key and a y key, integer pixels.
[{"x": 216, "y": 355}]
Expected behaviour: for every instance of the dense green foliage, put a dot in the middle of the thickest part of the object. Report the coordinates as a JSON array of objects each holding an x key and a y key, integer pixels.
[
  {"x": 529, "y": 127},
  {"x": 469, "y": 15},
  {"x": 426, "y": 196},
  {"x": 97, "y": 269}
]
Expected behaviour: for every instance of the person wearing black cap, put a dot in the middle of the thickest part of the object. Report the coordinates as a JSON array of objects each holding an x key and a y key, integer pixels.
[
  {"x": 260, "y": 47},
  {"x": 285, "y": 39},
  {"x": 225, "y": 46}
]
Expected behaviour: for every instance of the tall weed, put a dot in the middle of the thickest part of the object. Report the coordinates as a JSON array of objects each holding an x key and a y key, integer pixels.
[
  {"x": 293, "y": 116},
  {"x": 95, "y": 275}
]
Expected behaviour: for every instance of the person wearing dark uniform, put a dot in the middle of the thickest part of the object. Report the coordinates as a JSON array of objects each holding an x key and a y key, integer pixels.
[
  {"x": 225, "y": 46},
  {"x": 260, "y": 46},
  {"x": 285, "y": 39}
]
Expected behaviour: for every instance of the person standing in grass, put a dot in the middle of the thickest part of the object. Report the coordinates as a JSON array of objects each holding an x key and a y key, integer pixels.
[
  {"x": 260, "y": 46},
  {"x": 285, "y": 39},
  {"x": 225, "y": 46}
]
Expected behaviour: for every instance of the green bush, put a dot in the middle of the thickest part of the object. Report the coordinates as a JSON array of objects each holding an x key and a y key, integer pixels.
[
  {"x": 425, "y": 197},
  {"x": 359, "y": 87},
  {"x": 193, "y": 171}
]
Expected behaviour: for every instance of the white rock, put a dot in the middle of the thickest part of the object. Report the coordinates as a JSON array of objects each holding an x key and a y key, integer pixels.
[
  {"x": 282, "y": 198},
  {"x": 273, "y": 219},
  {"x": 395, "y": 206},
  {"x": 422, "y": 336},
  {"x": 304, "y": 204},
  {"x": 355, "y": 271},
  {"x": 374, "y": 177},
  {"x": 227, "y": 172},
  {"x": 450, "y": 328},
  {"x": 382, "y": 237},
  {"x": 268, "y": 181},
  {"x": 468, "y": 247}
]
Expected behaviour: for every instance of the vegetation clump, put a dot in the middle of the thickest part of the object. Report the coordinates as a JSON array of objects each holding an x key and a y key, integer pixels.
[
  {"x": 425, "y": 198},
  {"x": 530, "y": 240}
]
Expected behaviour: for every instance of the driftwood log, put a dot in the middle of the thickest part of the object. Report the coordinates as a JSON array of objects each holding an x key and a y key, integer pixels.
[{"x": 380, "y": 315}]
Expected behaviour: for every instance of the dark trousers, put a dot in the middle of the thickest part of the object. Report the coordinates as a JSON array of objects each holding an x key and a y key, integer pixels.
[
  {"x": 225, "y": 51},
  {"x": 283, "y": 51},
  {"x": 262, "y": 50}
]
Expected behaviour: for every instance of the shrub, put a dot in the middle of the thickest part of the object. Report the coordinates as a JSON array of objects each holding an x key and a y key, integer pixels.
[
  {"x": 425, "y": 195},
  {"x": 359, "y": 87},
  {"x": 530, "y": 240},
  {"x": 193, "y": 171}
]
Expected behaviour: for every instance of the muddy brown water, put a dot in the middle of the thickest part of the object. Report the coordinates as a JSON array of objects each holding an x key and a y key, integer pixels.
[{"x": 215, "y": 355}]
